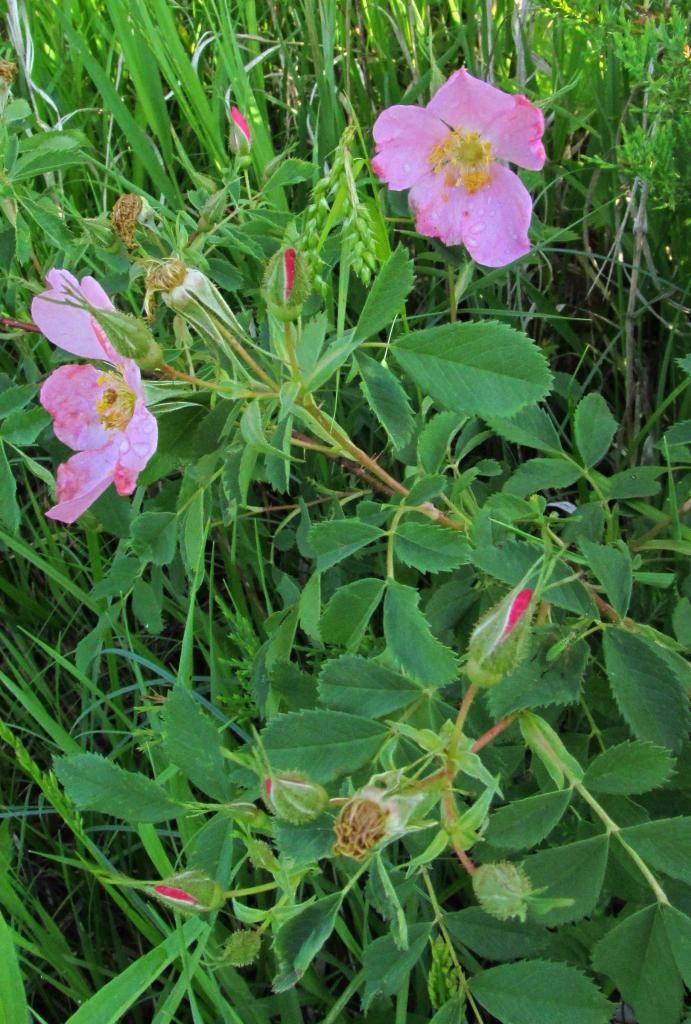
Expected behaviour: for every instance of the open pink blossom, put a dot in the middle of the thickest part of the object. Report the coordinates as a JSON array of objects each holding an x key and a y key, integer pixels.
[
  {"x": 101, "y": 413},
  {"x": 452, "y": 155}
]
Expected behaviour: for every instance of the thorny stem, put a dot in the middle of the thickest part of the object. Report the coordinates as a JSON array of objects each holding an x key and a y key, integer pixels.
[
  {"x": 488, "y": 736},
  {"x": 439, "y": 921}
]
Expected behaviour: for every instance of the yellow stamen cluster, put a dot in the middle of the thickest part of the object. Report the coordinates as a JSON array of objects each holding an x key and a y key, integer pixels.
[
  {"x": 359, "y": 827},
  {"x": 115, "y": 407},
  {"x": 464, "y": 158}
]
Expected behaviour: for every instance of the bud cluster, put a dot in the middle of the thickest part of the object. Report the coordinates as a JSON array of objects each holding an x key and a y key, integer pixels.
[{"x": 358, "y": 233}]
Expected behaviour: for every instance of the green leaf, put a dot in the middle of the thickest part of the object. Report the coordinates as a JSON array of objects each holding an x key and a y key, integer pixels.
[
  {"x": 629, "y": 768},
  {"x": 147, "y": 603},
  {"x": 640, "y": 482},
  {"x": 531, "y": 427},
  {"x": 154, "y": 536},
  {"x": 95, "y": 784},
  {"x": 325, "y": 744},
  {"x": 536, "y": 992},
  {"x": 349, "y": 611},
  {"x": 663, "y": 844},
  {"x": 575, "y": 871},
  {"x": 386, "y": 967},
  {"x": 386, "y": 296},
  {"x": 541, "y": 680},
  {"x": 435, "y": 438},
  {"x": 487, "y": 368},
  {"x": 301, "y": 845},
  {"x": 637, "y": 955},
  {"x": 387, "y": 399},
  {"x": 298, "y": 941},
  {"x": 356, "y": 684},
  {"x": 411, "y": 641},
  {"x": 540, "y": 474},
  {"x": 13, "y": 1005},
  {"x": 9, "y": 509},
  {"x": 526, "y": 822},
  {"x": 333, "y": 541},
  {"x": 493, "y": 939},
  {"x": 594, "y": 428},
  {"x": 612, "y": 567},
  {"x": 23, "y": 426},
  {"x": 678, "y": 927},
  {"x": 431, "y": 548},
  {"x": 510, "y": 561},
  {"x": 382, "y": 894},
  {"x": 290, "y": 171},
  {"x": 48, "y": 151},
  {"x": 192, "y": 743},
  {"x": 647, "y": 691},
  {"x": 16, "y": 397}
]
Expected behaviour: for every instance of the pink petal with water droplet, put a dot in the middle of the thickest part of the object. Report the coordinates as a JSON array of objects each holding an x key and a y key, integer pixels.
[
  {"x": 469, "y": 104},
  {"x": 496, "y": 219},
  {"x": 81, "y": 480},
  {"x": 404, "y": 137},
  {"x": 137, "y": 443},
  {"x": 70, "y": 395},
  {"x": 438, "y": 208},
  {"x": 517, "y": 135}
]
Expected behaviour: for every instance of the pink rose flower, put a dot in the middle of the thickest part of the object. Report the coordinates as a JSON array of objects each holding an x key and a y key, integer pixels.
[
  {"x": 102, "y": 414},
  {"x": 452, "y": 155}
]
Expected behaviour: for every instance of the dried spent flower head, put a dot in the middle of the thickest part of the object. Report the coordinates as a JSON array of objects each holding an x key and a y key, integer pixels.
[
  {"x": 8, "y": 72},
  {"x": 360, "y": 825},
  {"x": 165, "y": 276},
  {"x": 128, "y": 211}
]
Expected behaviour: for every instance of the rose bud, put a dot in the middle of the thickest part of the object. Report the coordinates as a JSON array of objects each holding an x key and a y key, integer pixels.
[
  {"x": 192, "y": 892},
  {"x": 497, "y": 643},
  {"x": 240, "y": 137},
  {"x": 294, "y": 798},
  {"x": 287, "y": 283}
]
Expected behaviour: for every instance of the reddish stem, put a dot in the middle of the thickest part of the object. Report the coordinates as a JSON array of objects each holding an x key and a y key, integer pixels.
[
  {"x": 21, "y": 325},
  {"x": 491, "y": 734}
]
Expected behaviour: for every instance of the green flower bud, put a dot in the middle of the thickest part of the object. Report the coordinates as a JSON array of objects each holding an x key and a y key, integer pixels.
[
  {"x": 287, "y": 283},
  {"x": 213, "y": 210},
  {"x": 497, "y": 644},
  {"x": 240, "y": 137},
  {"x": 292, "y": 797},
  {"x": 191, "y": 892},
  {"x": 242, "y": 948},
  {"x": 129, "y": 336},
  {"x": 502, "y": 890}
]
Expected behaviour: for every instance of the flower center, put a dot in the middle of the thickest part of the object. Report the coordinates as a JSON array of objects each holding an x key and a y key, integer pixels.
[
  {"x": 359, "y": 827},
  {"x": 115, "y": 407},
  {"x": 464, "y": 158}
]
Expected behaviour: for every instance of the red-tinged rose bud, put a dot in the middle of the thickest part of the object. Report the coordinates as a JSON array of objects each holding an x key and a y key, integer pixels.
[
  {"x": 287, "y": 283},
  {"x": 191, "y": 892},
  {"x": 240, "y": 138},
  {"x": 294, "y": 798},
  {"x": 497, "y": 643}
]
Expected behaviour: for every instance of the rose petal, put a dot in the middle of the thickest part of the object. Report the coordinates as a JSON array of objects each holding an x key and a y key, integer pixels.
[
  {"x": 81, "y": 480},
  {"x": 468, "y": 104},
  {"x": 404, "y": 138},
  {"x": 438, "y": 208},
  {"x": 70, "y": 395},
  {"x": 496, "y": 219},
  {"x": 517, "y": 135},
  {"x": 57, "y": 313},
  {"x": 136, "y": 446}
]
